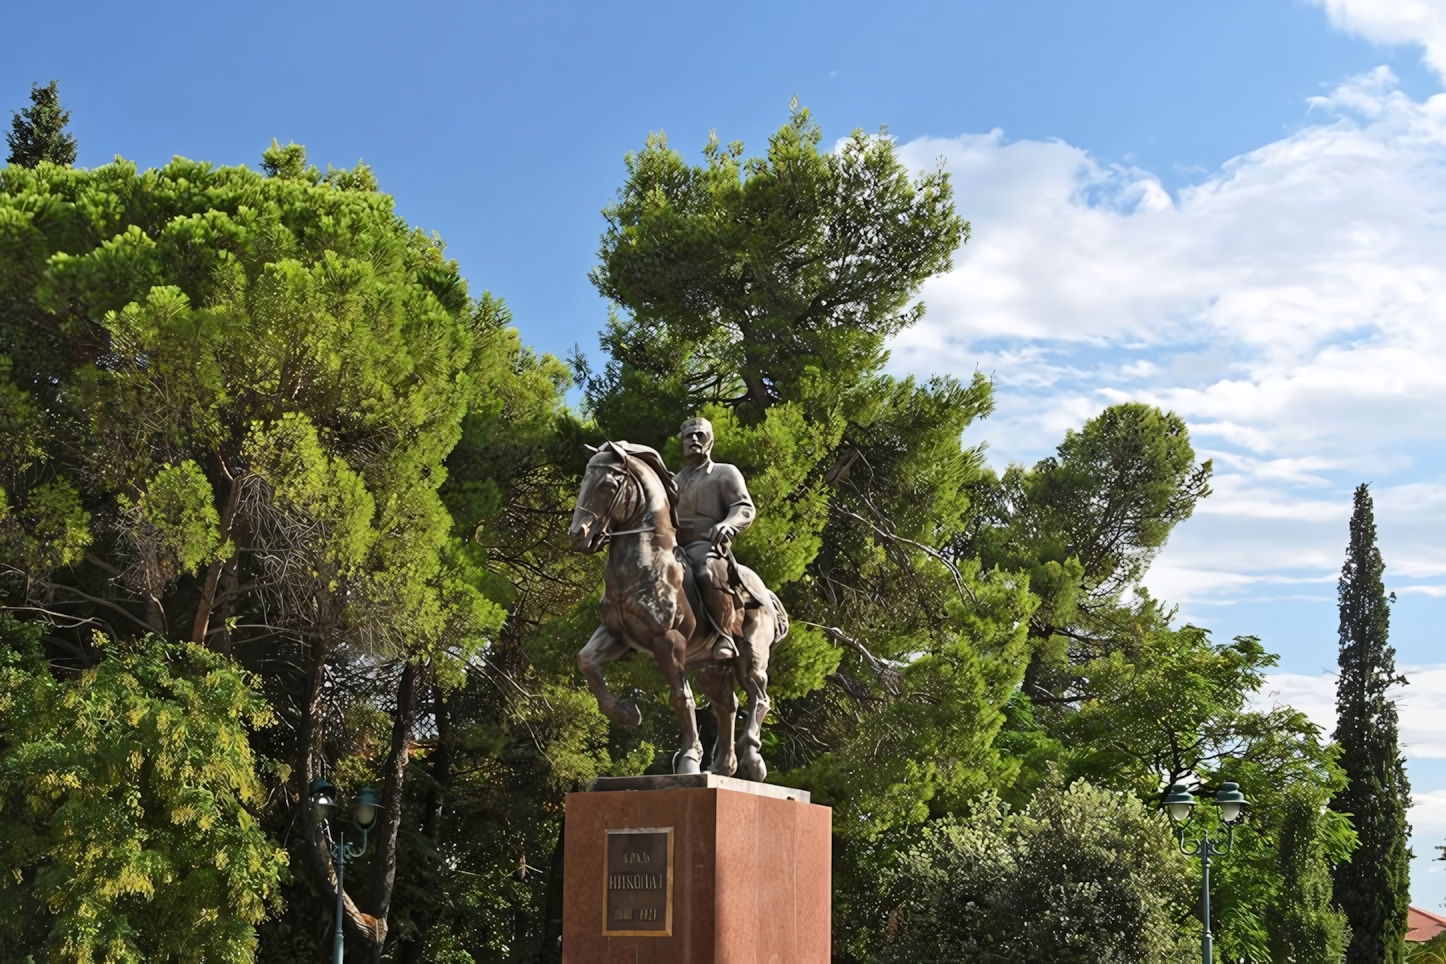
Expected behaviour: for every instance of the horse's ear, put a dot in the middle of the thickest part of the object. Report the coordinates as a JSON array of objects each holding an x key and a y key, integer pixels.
[{"x": 591, "y": 449}]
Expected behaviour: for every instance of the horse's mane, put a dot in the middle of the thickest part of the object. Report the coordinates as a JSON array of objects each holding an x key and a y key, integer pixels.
[{"x": 650, "y": 457}]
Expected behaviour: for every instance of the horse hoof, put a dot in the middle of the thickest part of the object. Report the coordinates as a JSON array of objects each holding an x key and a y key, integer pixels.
[
  {"x": 724, "y": 768},
  {"x": 688, "y": 761},
  {"x": 624, "y": 713},
  {"x": 751, "y": 766}
]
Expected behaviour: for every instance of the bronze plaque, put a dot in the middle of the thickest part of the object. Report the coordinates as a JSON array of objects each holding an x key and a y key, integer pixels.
[{"x": 639, "y": 884}]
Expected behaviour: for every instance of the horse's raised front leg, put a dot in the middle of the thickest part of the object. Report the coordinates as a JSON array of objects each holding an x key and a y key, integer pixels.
[
  {"x": 716, "y": 681},
  {"x": 671, "y": 651},
  {"x": 604, "y": 647},
  {"x": 751, "y": 668}
]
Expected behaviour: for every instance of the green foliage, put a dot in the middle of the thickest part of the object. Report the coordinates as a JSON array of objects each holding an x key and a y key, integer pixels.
[
  {"x": 1174, "y": 704},
  {"x": 232, "y": 398},
  {"x": 37, "y": 133},
  {"x": 48, "y": 527},
  {"x": 1142, "y": 461},
  {"x": 176, "y": 509},
  {"x": 778, "y": 456},
  {"x": 1175, "y": 707},
  {"x": 746, "y": 274},
  {"x": 1080, "y": 875},
  {"x": 127, "y": 801},
  {"x": 1308, "y": 926},
  {"x": 1085, "y": 524},
  {"x": 283, "y": 344},
  {"x": 984, "y": 629},
  {"x": 1429, "y": 952},
  {"x": 1374, "y": 888},
  {"x": 1115, "y": 695},
  {"x": 285, "y": 162}
]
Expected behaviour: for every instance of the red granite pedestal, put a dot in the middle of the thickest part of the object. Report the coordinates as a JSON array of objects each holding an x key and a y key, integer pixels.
[{"x": 695, "y": 869}]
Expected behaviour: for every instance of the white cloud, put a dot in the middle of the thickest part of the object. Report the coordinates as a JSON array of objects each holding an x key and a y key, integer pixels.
[
  {"x": 1315, "y": 696},
  {"x": 1395, "y": 22},
  {"x": 1428, "y": 828},
  {"x": 1291, "y": 306},
  {"x": 1291, "y": 296},
  {"x": 1420, "y": 705}
]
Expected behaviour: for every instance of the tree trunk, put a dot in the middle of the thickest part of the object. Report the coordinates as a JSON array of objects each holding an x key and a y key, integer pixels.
[
  {"x": 414, "y": 946},
  {"x": 200, "y": 629},
  {"x": 220, "y": 634},
  {"x": 551, "y": 949},
  {"x": 384, "y": 867}
]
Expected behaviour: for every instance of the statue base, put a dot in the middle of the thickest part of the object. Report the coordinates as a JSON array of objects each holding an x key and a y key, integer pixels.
[{"x": 696, "y": 869}]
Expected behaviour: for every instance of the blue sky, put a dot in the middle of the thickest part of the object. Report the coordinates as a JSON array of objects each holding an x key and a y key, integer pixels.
[{"x": 1235, "y": 210}]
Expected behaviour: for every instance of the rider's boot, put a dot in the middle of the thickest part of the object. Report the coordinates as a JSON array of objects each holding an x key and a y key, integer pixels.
[{"x": 724, "y": 649}]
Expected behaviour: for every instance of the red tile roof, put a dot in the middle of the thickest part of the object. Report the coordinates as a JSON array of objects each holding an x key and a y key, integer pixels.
[{"x": 1422, "y": 925}]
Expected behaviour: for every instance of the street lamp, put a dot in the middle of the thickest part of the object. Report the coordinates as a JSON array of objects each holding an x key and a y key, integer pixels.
[
  {"x": 364, "y": 816},
  {"x": 1179, "y": 803}
]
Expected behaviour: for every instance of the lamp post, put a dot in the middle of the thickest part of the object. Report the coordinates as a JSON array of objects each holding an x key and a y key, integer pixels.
[
  {"x": 364, "y": 815},
  {"x": 1178, "y": 803}
]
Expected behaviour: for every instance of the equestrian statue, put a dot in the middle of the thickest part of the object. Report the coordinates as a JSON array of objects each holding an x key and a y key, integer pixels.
[{"x": 672, "y": 589}]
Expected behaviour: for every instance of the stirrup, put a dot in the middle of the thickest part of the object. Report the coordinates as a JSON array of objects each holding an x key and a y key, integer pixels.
[{"x": 724, "y": 649}]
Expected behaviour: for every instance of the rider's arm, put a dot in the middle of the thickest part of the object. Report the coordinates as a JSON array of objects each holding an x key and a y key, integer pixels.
[{"x": 733, "y": 492}]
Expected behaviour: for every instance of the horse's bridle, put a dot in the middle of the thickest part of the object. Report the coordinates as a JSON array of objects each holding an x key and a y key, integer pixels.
[{"x": 606, "y": 518}]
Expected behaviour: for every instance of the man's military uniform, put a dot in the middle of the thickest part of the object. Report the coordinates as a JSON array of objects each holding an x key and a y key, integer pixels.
[{"x": 713, "y": 507}]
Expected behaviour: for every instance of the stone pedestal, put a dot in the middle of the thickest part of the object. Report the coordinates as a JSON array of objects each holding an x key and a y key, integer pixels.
[{"x": 697, "y": 869}]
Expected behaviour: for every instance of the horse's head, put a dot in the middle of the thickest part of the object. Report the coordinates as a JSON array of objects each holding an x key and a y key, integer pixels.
[{"x": 603, "y": 484}]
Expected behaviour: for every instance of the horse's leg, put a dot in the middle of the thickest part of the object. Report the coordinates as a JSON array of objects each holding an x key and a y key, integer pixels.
[
  {"x": 605, "y": 646},
  {"x": 716, "y": 681},
  {"x": 751, "y": 668},
  {"x": 671, "y": 651}
]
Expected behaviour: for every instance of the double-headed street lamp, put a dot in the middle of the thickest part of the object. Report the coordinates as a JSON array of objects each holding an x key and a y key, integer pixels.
[
  {"x": 1179, "y": 802},
  {"x": 364, "y": 816}
]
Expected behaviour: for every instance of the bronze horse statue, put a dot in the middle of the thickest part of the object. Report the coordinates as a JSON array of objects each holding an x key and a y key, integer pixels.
[{"x": 651, "y": 605}]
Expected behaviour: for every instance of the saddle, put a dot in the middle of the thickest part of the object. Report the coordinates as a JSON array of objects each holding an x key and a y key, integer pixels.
[{"x": 721, "y": 596}]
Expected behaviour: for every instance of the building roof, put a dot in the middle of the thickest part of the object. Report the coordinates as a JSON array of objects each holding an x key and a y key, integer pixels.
[{"x": 1422, "y": 925}]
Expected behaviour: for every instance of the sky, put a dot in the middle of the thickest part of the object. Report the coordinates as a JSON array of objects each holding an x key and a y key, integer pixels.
[{"x": 1234, "y": 210}]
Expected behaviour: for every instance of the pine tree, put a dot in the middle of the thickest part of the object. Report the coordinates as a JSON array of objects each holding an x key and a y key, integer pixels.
[
  {"x": 1373, "y": 888},
  {"x": 37, "y": 133}
]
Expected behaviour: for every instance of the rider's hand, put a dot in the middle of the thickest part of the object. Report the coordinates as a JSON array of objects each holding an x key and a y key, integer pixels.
[{"x": 721, "y": 534}]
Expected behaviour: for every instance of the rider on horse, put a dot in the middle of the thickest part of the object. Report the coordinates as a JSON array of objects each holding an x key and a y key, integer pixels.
[
  {"x": 713, "y": 508},
  {"x": 689, "y": 605}
]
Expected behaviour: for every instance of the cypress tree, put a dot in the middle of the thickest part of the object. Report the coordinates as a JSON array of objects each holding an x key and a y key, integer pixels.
[
  {"x": 37, "y": 133},
  {"x": 1373, "y": 889}
]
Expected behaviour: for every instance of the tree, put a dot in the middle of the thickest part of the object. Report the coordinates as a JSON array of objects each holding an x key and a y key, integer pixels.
[
  {"x": 760, "y": 293},
  {"x": 1176, "y": 707},
  {"x": 1080, "y": 875},
  {"x": 231, "y": 398},
  {"x": 256, "y": 424},
  {"x": 37, "y": 133},
  {"x": 1117, "y": 695},
  {"x": 1431, "y": 952},
  {"x": 981, "y": 628},
  {"x": 1085, "y": 525},
  {"x": 1307, "y": 926},
  {"x": 1374, "y": 888},
  {"x": 739, "y": 277},
  {"x": 126, "y": 794}
]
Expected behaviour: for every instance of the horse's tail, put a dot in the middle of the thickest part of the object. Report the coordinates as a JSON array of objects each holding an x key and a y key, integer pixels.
[{"x": 780, "y": 618}]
